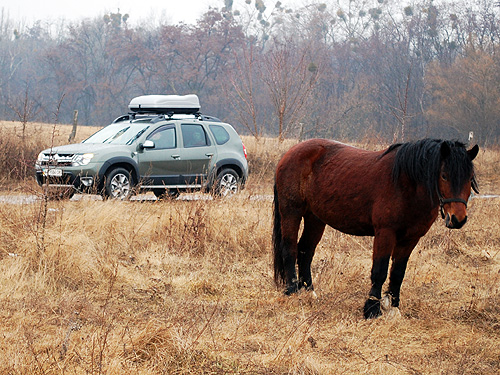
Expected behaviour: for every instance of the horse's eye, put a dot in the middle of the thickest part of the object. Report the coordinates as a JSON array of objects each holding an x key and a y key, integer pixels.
[{"x": 444, "y": 177}]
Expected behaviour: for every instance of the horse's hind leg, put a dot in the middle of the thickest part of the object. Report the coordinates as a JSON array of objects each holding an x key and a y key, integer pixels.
[
  {"x": 290, "y": 231},
  {"x": 311, "y": 235}
]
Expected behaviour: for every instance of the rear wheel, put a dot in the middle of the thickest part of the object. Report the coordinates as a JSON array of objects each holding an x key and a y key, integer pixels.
[
  {"x": 227, "y": 183},
  {"x": 118, "y": 184},
  {"x": 166, "y": 193}
]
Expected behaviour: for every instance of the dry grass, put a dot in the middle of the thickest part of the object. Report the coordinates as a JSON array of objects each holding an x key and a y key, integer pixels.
[
  {"x": 185, "y": 287},
  {"x": 44, "y": 134},
  {"x": 262, "y": 157},
  {"x": 20, "y": 144},
  {"x": 487, "y": 166}
]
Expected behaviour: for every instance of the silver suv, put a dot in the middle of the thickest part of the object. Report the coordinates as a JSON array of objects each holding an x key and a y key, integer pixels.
[{"x": 164, "y": 144}]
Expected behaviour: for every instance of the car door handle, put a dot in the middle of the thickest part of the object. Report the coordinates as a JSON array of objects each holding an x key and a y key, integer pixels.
[
  {"x": 209, "y": 154},
  {"x": 176, "y": 157}
]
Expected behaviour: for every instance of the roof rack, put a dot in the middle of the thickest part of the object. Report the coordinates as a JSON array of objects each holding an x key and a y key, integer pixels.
[
  {"x": 162, "y": 116},
  {"x": 208, "y": 118}
]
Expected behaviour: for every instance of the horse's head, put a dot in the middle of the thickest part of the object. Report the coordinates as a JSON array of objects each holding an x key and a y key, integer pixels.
[{"x": 456, "y": 179}]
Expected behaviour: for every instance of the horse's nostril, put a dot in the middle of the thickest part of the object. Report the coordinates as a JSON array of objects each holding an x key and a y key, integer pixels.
[{"x": 454, "y": 223}]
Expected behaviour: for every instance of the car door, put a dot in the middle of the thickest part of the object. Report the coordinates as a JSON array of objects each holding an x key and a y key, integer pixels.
[
  {"x": 160, "y": 165},
  {"x": 197, "y": 154}
]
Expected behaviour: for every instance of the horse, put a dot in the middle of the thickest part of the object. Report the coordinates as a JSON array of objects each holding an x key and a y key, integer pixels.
[{"x": 394, "y": 195}]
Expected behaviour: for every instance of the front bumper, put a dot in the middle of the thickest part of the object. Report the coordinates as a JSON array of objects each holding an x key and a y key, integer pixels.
[{"x": 81, "y": 182}]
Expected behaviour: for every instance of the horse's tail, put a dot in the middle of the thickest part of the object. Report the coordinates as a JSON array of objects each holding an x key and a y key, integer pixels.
[{"x": 279, "y": 268}]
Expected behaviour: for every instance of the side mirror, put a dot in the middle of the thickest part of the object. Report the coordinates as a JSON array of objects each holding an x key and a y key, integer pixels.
[{"x": 147, "y": 144}]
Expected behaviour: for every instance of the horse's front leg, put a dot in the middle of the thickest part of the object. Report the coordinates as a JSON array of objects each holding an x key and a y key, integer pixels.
[
  {"x": 383, "y": 245},
  {"x": 400, "y": 258}
]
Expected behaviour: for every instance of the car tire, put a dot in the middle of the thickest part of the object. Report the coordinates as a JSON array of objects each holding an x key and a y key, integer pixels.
[
  {"x": 118, "y": 184},
  {"x": 227, "y": 183},
  {"x": 166, "y": 193}
]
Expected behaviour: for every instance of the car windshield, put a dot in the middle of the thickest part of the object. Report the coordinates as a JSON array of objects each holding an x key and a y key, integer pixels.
[{"x": 121, "y": 133}]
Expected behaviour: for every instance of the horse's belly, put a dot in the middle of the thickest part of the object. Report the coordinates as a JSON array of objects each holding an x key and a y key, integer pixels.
[
  {"x": 355, "y": 230},
  {"x": 356, "y": 222}
]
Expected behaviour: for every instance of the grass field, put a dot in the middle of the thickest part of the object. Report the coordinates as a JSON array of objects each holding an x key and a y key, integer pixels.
[{"x": 186, "y": 287}]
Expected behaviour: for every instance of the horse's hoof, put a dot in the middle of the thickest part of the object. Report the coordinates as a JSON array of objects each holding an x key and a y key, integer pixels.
[
  {"x": 386, "y": 303},
  {"x": 307, "y": 286},
  {"x": 292, "y": 289},
  {"x": 392, "y": 313},
  {"x": 372, "y": 308},
  {"x": 310, "y": 288}
]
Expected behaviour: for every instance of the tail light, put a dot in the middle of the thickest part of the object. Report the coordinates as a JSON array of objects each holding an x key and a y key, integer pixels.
[{"x": 244, "y": 150}]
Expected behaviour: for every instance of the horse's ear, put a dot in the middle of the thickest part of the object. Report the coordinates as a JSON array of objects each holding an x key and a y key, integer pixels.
[
  {"x": 473, "y": 152},
  {"x": 445, "y": 150}
]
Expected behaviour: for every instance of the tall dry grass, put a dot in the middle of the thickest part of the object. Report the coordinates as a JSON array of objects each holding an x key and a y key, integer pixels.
[
  {"x": 21, "y": 143},
  {"x": 186, "y": 287}
]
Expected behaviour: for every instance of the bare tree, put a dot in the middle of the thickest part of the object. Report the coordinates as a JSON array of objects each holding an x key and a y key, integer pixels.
[
  {"x": 240, "y": 90},
  {"x": 401, "y": 112},
  {"x": 25, "y": 112},
  {"x": 290, "y": 77}
]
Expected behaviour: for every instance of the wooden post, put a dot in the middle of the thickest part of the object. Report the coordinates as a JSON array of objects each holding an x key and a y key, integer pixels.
[{"x": 75, "y": 124}]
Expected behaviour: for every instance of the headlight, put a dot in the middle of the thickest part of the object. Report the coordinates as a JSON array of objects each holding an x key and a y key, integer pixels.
[
  {"x": 82, "y": 159},
  {"x": 39, "y": 160}
]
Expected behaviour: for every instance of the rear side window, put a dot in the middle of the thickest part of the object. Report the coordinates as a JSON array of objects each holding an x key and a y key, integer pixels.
[
  {"x": 194, "y": 136},
  {"x": 221, "y": 135}
]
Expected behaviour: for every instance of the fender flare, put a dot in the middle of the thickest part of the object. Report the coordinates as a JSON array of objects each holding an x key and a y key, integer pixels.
[
  {"x": 229, "y": 163},
  {"x": 119, "y": 161}
]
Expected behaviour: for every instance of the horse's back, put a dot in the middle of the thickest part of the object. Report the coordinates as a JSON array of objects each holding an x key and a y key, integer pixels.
[
  {"x": 317, "y": 161},
  {"x": 340, "y": 184}
]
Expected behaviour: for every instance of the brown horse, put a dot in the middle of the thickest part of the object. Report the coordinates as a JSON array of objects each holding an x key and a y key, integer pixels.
[{"x": 394, "y": 195}]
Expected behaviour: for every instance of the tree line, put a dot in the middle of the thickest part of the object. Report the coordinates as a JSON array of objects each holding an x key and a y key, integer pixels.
[{"x": 341, "y": 69}]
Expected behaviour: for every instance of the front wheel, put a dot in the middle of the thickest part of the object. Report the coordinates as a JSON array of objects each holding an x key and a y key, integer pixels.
[
  {"x": 118, "y": 184},
  {"x": 227, "y": 183}
]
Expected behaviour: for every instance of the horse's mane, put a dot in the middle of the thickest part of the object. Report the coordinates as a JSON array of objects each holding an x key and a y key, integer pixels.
[{"x": 421, "y": 162}]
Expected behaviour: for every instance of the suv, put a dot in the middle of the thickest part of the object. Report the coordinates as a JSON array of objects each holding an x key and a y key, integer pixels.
[{"x": 163, "y": 144}]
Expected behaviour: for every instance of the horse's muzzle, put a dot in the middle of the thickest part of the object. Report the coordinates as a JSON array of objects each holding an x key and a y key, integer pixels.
[{"x": 453, "y": 223}]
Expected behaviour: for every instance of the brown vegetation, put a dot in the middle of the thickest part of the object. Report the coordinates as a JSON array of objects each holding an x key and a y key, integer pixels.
[
  {"x": 146, "y": 287},
  {"x": 20, "y": 144}
]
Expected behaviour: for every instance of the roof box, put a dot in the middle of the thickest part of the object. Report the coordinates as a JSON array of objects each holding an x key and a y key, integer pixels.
[{"x": 185, "y": 104}]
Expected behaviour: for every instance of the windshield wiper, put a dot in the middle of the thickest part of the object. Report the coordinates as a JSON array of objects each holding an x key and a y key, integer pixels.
[{"x": 137, "y": 135}]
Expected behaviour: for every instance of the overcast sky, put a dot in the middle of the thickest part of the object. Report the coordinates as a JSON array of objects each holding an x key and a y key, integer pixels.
[{"x": 174, "y": 11}]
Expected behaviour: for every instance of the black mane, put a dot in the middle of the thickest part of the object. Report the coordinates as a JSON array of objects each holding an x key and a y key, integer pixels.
[{"x": 421, "y": 162}]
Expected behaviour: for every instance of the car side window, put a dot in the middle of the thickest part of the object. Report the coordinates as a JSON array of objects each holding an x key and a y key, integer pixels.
[
  {"x": 164, "y": 137},
  {"x": 221, "y": 135},
  {"x": 194, "y": 136}
]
